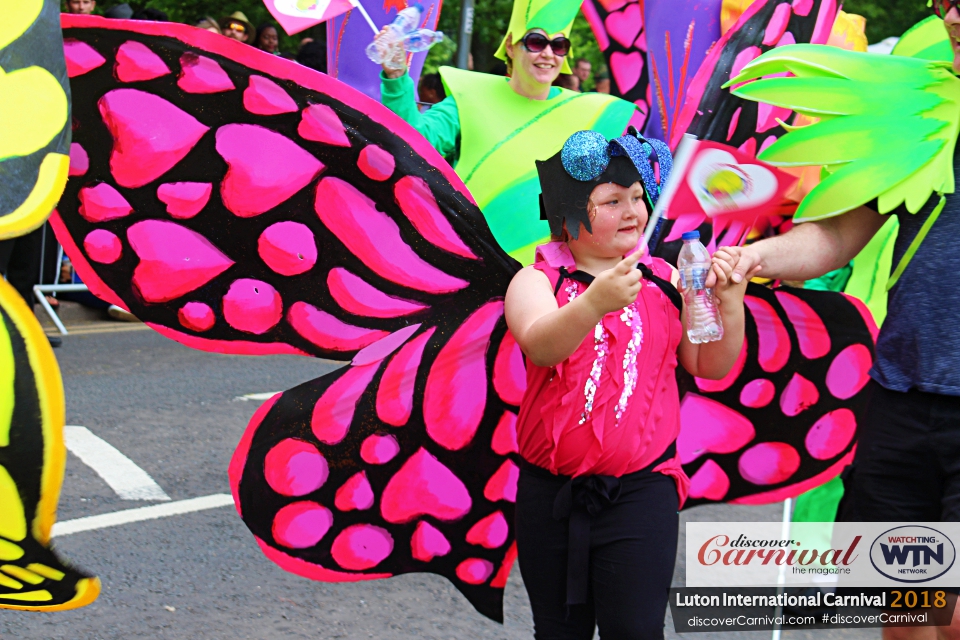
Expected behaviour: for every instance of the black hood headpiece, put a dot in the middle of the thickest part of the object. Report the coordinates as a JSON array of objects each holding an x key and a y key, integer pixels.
[{"x": 587, "y": 159}]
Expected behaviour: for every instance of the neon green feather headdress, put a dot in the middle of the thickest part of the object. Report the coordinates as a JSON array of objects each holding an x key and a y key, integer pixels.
[{"x": 553, "y": 16}]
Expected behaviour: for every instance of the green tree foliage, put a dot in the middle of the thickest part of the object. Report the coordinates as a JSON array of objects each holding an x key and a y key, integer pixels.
[{"x": 886, "y": 18}]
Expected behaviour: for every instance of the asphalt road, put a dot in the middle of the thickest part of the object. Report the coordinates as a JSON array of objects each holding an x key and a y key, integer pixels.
[{"x": 175, "y": 413}]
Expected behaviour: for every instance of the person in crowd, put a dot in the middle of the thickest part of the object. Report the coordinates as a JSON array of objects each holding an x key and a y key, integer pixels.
[
  {"x": 154, "y": 15},
  {"x": 430, "y": 90},
  {"x": 85, "y": 7},
  {"x": 494, "y": 128},
  {"x": 268, "y": 39},
  {"x": 209, "y": 24},
  {"x": 601, "y": 482},
  {"x": 567, "y": 81},
  {"x": 582, "y": 69},
  {"x": 119, "y": 12},
  {"x": 602, "y": 84},
  {"x": 313, "y": 54},
  {"x": 20, "y": 260},
  {"x": 237, "y": 26}
]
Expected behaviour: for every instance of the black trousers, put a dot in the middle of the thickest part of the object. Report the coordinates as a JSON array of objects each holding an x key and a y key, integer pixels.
[
  {"x": 20, "y": 263},
  {"x": 632, "y": 549},
  {"x": 907, "y": 465}
]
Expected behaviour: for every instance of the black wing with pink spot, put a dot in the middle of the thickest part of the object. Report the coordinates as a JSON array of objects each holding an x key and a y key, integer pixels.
[{"x": 241, "y": 203}]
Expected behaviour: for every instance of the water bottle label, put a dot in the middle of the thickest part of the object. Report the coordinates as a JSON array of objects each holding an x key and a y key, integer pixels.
[{"x": 699, "y": 277}]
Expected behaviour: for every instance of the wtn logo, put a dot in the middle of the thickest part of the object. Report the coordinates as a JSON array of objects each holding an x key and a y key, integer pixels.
[{"x": 912, "y": 554}]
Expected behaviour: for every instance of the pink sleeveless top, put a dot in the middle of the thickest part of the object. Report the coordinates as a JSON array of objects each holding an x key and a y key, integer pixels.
[{"x": 613, "y": 406}]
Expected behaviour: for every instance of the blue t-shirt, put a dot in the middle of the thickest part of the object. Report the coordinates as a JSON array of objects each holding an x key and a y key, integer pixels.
[{"x": 919, "y": 342}]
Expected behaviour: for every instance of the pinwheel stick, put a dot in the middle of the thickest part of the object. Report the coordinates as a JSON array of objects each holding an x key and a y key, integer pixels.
[
  {"x": 366, "y": 16},
  {"x": 680, "y": 161}
]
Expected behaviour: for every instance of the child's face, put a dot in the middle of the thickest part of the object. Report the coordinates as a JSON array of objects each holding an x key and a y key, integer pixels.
[{"x": 618, "y": 216}]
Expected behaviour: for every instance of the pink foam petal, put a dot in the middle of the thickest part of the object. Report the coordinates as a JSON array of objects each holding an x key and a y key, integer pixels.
[
  {"x": 252, "y": 306},
  {"x": 706, "y": 426},
  {"x": 811, "y": 332},
  {"x": 301, "y": 525},
  {"x": 685, "y": 222},
  {"x": 427, "y": 542},
  {"x": 596, "y": 24},
  {"x": 865, "y": 313},
  {"x": 424, "y": 487},
  {"x": 849, "y": 371},
  {"x": 474, "y": 570},
  {"x": 757, "y": 393},
  {"x": 825, "y": 20},
  {"x": 774, "y": 341},
  {"x": 379, "y": 449},
  {"x": 355, "y": 494},
  {"x": 144, "y": 148},
  {"x": 384, "y": 346},
  {"x": 232, "y": 346},
  {"x": 831, "y": 434},
  {"x": 136, "y": 62},
  {"x": 196, "y": 316},
  {"x": 184, "y": 199},
  {"x": 456, "y": 390},
  {"x": 311, "y": 570},
  {"x": 503, "y": 573},
  {"x": 626, "y": 68},
  {"x": 777, "y": 24},
  {"x": 200, "y": 74},
  {"x": 490, "y": 532},
  {"x": 288, "y": 248},
  {"x": 743, "y": 58},
  {"x": 103, "y": 246},
  {"x": 624, "y": 26},
  {"x": 767, "y": 116},
  {"x": 376, "y": 163},
  {"x": 395, "y": 393},
  {"x": 420, "y": 206},
  {"x": 361, "y": 546},
  {"x": 265, "y": 168},
  {"x": 294, "y": 467},
  {"x": 79, "y": 161},
  {"x": 264, "y": 97},
  {"x": 327, "y": 332},
  {"x": 799, "y": 395},
  {"x": 174, "y": 260},
  {"x": 333, "y": 412},
  {"x": 793, "y": 490},
  {"x": 80, "y": 57},
  {"x": 504, "y": 439},
  {"x": 102, "y": 203},
  {"x": 734, "y": 121},
  {"x": 769, "y": 463},
  {"x": 355, "y": 295},
  {"x": 320, "y": 123},
  {"x": 374, "y": 238},
  {"x": 509, "y": 372},
  {"x": 710, "y": 482},
  {"x": 715, "y": 386},
  {"x": 802, "y": 7},
  {"x": 502, "y": 485}
]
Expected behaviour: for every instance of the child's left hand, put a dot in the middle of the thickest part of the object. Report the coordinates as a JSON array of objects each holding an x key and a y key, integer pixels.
[{"x": 727, "y": 291}]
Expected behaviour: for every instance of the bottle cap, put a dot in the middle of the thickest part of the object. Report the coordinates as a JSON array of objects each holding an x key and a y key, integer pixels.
[{"x": 690, "y": 235}]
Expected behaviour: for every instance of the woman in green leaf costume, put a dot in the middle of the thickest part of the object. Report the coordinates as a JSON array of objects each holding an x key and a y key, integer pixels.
[{"x": 495, "y": 128}]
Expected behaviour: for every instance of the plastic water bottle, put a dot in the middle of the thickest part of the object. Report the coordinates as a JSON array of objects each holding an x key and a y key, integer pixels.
[
  {"x": 703, "y": 317},
  {"x": 402, "y": 35}
]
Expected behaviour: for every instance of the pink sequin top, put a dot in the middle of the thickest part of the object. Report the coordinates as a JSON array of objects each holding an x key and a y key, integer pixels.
[{"x": 613, "y": 406}]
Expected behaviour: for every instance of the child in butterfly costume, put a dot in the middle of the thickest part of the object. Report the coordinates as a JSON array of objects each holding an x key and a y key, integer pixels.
[{"x": 601, "y": 481}]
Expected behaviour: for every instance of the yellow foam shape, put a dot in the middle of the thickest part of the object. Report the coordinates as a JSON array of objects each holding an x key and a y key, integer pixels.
[
  {"x": 33, "y": 596},
  {"x": 6, "y": 384},
  {"x": 87, "y": 591},
  {"x": 21, "y": 573},
  {"x": 9, "y": 583},
  {"x": 18, "y": 15},
  {"x": 45, "y": 571},
  {"x": 51, "y": 179},
  {"x": 13, "y": 522},
  {"x": 9, "y": 551},
  {"x": 33, "y": 109}
]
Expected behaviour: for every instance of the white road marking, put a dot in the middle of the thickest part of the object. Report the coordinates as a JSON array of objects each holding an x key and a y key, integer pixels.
[
  {"x": 140, "y": 514},
  {"x": 129, "y": 481},
  {"x": 259, "y": 397}
]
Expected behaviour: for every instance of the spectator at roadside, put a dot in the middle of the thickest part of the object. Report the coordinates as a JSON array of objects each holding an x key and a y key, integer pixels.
[
  {"x": 582, "y": 69},
  {"x": 567, "y": 81},
  {"x": 314, "y": 55},
  {"x": 430, "y": 89},
  {"x": 603, "y": 82},
  {"x": 237, "y": 26},
  {"x": 85, "y": 7},
  {"x": 268, "y": 39},
  {"x": 209, "y": 24},
  {"x": 119, "y": 12},
  {"x": 153, "y": 15}
]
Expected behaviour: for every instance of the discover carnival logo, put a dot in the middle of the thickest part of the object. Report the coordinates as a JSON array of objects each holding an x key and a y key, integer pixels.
[{"x": 912, "y": 554}]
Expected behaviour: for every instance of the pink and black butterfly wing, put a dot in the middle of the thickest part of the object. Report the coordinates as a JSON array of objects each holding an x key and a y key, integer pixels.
[
  {"x": 243, "y": 204},
  {"x": 784, "y": 420}
]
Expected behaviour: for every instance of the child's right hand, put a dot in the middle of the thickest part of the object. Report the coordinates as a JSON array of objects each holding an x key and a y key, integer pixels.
[{"x": 616, "y": 288}]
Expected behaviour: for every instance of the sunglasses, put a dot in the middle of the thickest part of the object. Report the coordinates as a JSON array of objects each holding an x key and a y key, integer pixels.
[
  {"x": 537, "y": 42},
  {"x": 942, "y": 7},
  {"x": 236, "y": 26}
]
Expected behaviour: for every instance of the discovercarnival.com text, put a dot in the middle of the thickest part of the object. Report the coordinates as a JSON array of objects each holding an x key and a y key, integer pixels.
[{"x": 741, "y": 622}]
